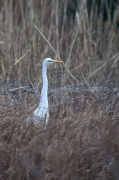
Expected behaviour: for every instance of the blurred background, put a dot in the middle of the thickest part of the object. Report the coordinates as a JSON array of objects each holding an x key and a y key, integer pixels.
[{"x": 85, "y": 35}]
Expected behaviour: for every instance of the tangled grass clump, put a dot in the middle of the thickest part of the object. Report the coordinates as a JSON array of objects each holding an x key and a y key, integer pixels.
[{"x": 83, "y": 145}]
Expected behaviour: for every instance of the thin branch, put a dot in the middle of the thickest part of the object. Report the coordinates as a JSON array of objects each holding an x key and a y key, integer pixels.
[
  {"x": 17, "y": 61},
  {"x": 55, "y": 52},
  {"x": 17, "y": 88},
  {"x": 103, "y": 65},
  {"x": 47, "y": 41}
]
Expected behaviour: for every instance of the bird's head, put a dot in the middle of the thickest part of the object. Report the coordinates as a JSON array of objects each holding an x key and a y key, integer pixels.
[{"x": 49, "y": 61}]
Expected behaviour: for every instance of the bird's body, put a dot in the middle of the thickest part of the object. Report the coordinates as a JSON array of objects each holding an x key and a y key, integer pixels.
[{"x": 41, "y": 114}]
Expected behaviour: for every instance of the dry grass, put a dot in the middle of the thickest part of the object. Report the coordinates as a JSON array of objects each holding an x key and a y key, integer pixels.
[
  {"x": 82, "y": 138},
  {"x": 84, "y": 43}
]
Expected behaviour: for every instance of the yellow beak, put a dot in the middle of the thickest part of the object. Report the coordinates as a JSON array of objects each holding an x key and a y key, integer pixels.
[{"x": 56, "y": 61}]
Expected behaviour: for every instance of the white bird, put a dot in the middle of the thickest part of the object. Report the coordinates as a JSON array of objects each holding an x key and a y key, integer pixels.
[{"x": 41, "y": 114}]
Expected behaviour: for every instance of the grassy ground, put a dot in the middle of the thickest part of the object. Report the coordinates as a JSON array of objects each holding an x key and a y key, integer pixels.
[{"x": 81, "y": 140}]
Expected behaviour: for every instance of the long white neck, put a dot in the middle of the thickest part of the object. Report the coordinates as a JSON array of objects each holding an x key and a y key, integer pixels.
[{"x": 44, "y": 92}]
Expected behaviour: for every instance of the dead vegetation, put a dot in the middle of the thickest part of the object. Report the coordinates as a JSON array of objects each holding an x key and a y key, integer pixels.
[
  {"x": 81, "y": 140},
  {"x": 82, "y": 137}
]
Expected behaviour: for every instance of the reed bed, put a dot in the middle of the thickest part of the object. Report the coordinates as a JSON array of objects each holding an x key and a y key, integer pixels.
[{"x": 82, "y": 138}]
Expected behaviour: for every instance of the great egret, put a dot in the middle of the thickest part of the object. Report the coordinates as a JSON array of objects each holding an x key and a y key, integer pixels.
[{"x": 42, "y": 112}]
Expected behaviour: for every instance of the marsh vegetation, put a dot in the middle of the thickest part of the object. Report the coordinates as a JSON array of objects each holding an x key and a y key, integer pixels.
[{"x": 82, "y": 138}]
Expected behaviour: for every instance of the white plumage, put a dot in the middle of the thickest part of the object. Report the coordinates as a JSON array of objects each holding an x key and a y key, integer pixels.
[{"x": 41, "y": 114}]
